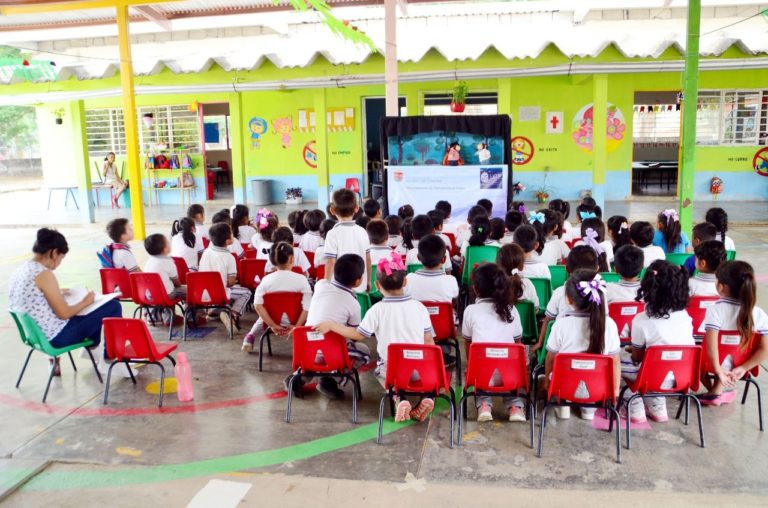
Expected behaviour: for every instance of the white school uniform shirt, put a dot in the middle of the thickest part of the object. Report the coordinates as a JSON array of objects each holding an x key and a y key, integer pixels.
[
  {"x": 529, "y": 292},
  {"x": 311, "y": 241},
  {"x": 431, "y": 286},
  {"x": 568, "y": 232},
  {"x": 284, "y": 281},
  {"x": 246, "y": 233},
  {"x": 256, "y": 242},
  {"x": 607, "y": 246},
  {"x": 124, "y": 258},
  {"x": 446, "y": 240},
  {"x": 333, "y": 302},
  {"x": 236, "y": 248},
  {"x": 201, "y": 230},
  {"x": 396, "y": 242},
  {"x": 263, "y": 251},
  {"x": 555, "y": 249},
  {"x": 675, "y": 330},
  {"x": 378, "y": 252},
  {"x": 622, "y": 291},
  {"x": 489, "y": 243},
  {"x": 320, "y": 256},
  {"x": 297, "y": 239},
  {"x": 463, "y": 232},
  {"x": 558, "y": 304},
  {"x": 534, "y": 268},
  {"x": 482, "y": 324},
  {"x": 449, "y": 226},
  {"x": 412, "y": 258},
  {"x": 728, "y": 242},
  {"x": 346, "y": 237},
  {"x": 723, "y": 314},
  {"x": 299, "y": 259},
  {"x": 703, "y": 284},
  {"x": 164, "y": 266},
  {"x": 395, "y": 320},
  {"x": 507, "y": 238},
  {"x": 220, "y": 260},
  {"x": 179, "y": 249},
  {"x": 651, "y": 254},
  {"x": 570, "y": 334}
]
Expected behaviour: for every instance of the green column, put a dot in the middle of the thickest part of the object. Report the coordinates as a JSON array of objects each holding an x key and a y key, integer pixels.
[
  {"x": 599, "y": 126},
  {"x": 321, "y": 147},
  {"x": 82, "y": 161},
  {"x": 505, "y": 96},
  {"x": 414, "y": 103},
  {"x": 690, "y": 99},
  {"x": 237, "y": 137}
]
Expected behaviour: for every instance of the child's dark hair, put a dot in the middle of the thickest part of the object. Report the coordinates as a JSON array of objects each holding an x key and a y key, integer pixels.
[
  {"x": 619, "y": 228},
  {"x": 268, "y": 230},
  {"x": 444, "y": 207},
  {"x": 598, "y": 227},
  {"x": 487, "y": 204},
  {"x": 421, "y": 226},
  {"x": 553, "y": 223},
  {"x": 629, "y": 261},
  {"x": 221, "y": 216},
  {"x": 154, "y": 244},
  {"x": 116, "y": 228},
  {"x": 345, "y": 203},
  {"x": 371, "y": 207},
  {"x": 514, "y": 220},
  {"x": 562, "y": 206},
  {"x": 329, "y": 212},
  {"x": 712, "y": 252},
  {"x": 476, "y": 211},
  {"x": 719, "y": 218},
  {"x": 282, "y": 234},
  {"x": 518, "y": 206},
  {"x": 394, "y": 223},
  {"x": 497, "y": 229},
  {"x": 489, "y": 281},
  {"x": 670, "y": 229},
  {"x": 528, "y": 238},
  {"x": 391, "y": 282},
  {"x": 664, "y": 289},
  {"x": 185, "y": 226},
  {"x": 298, "y": 226},
  {"x": 405, "y": 212},
  {"x": 588, "y": 205},
  {"x": 704, "y": 231},
  {"x": 739, "y": 278},
  {"x": 48, "y": 240},
  {"x": 406, "y": 230},
  {"x": 378, "y": 232},
  {"x": 313, "y": 219},
  {"x": 595, "y": 308},
  {"x": 281, "y": 252},
  {"x": 194, "y": 210},
  {"x": 481, "y": 228},
  {"x": 432, "y": 251},
  {"x": 437, "y": 219},
  {"x": 641, "y": 233},
  {"x": 363, "y": 221},
  {"x": 581, "y": 257},
  {"x": 240, "y": 215},
  {"x": 348, "y": 269},
  {"x": 219, "y": 234},
  {"x": 326, "y": 226},
  {"x": 511, "y": 257}
]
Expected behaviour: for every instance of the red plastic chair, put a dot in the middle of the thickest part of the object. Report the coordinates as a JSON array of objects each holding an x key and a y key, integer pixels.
[
  {"x": 485, "y": 359},
  {"x": 452, "y": 248},
  {"x": 149, "y": 293},
  {"x": 129, "y": 341},
  {"x": 622, "y": 314},
  {"x": 182, "y": 269},
  {"x": 320, "y": 271},
  {"x": 297, "y": 269},
  {"x": 251, "y": 254},
  {"x": 116, "y": 280},
  {"x": 683, "y": 362},
  {"x": 205, "y": 290},
  {"x": 728, "y": 345},
  {"x": 427, "y": 361},
  {"x": 583, "y": 380},
  {"x": 206, "y": 242},
  {"x": 250, "y": 269},
  {"x": 353, "y": 184},
  {"x": 237, "y": 265},
  {"x": 277, "y": 304},
  {"x": 246, "y": 246},
  {"x": 312, "y": 270},
  {"x": 697, "y": 309},
  {"x": 315, "y": 354},
  {"x": 444, "y": 326}
]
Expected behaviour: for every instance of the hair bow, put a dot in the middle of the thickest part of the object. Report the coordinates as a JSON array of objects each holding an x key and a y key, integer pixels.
[
  {"x": 593, "y": 288},
  {"x": 591, "y": 239},
  {"x": 536, "y": 217},
  {"x": 587, "y": 215},
  {"x": 514, "y": 271},
  {"x": 671, "y": 213},
  {"x": 521, "y": 208},
  {"x": 623, "y": 226},
  {"x": 261, "y": 221},
  {"x": 391, "y": 263}
]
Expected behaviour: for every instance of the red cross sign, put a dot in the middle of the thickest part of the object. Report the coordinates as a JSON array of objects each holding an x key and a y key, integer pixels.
[{"x": 554, "y": 123}]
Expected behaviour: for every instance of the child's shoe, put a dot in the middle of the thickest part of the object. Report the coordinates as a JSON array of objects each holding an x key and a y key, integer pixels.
[
  {"x": 636, "y": 412},
  {"x": 403, "y": 411},
  {"x": 330, "y": 388},
  {"x": 728, "y": 396},
  {"x": 657, "y": 412},
  {"x": 484, "y": 412},
  {"x": 710, "y": 399},
  {"x": 247, "y": 342},
  {"x": 587, "y": 413},
  {"x": 563, "y": 412},
  {"x": 423, "y": 410},
  {"x": 516, "y": 414}
]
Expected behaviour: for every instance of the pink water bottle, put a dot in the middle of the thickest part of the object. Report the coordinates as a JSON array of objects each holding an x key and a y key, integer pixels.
[{"x": 184, "y": 379}]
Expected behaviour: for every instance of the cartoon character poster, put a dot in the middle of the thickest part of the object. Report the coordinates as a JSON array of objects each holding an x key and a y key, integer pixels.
[
  {"x": 430, "y": 148},
  {"x": 283, "y": 127},
  {"x": 582, "y": 128},
  {"x": 257, "y": 127}
]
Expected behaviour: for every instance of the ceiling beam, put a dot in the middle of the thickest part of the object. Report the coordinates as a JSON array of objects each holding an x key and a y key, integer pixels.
[
  {"x": 154, "y": 16},
  {"x": 10, "y": 7}
]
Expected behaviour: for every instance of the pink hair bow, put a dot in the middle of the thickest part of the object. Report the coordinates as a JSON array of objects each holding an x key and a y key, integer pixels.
[
  {"x": 261, "y": 218},
  {"x": 390, "y": 263},
  {"x": 593, "y": 289},
  {"x": 671, "y": 213},
  {"x": 591, "y": 240}
]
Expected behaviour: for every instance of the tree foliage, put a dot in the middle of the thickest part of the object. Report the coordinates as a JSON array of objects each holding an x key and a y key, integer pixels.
[{"x": 18, "y": 124}]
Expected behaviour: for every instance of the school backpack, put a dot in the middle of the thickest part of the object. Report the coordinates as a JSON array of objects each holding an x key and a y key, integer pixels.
[
  {"x": 175, "y": 162},
  {"x": 186, "y": 162},
  {"x": 105, "y": 255}
]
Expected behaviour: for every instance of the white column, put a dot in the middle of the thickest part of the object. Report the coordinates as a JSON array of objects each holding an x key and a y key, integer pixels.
[{"x": 390, "y": 56}]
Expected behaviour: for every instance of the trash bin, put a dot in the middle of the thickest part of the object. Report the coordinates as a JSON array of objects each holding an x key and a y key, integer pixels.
[{"x": 262, "y": 192}]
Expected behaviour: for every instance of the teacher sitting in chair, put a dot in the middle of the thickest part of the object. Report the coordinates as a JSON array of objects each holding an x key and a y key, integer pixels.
[
  {"x": 34, "y": 290},
  {"x": 453, "y": 155},
  {"x": 113, "y": 179}
]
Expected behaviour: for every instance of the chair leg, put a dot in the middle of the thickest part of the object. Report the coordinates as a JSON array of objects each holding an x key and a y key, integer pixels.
[
  {"x": 95, "y": 367},
  {"x": 130, "y": 371},
  {"x": 109, "y": 379},
  {"x": 698, "y": 414},
  {"x": 629, "y": 421},
  {"x": 261, "y": 350},
  {"x": 354, "y": 397},
  {"x": 615, "y": 414},
  {"x": 541, "y": 430},
  {"x": 170, "y": 323},
  {"x": 228, "y": 310},
  {"x": 290, "y": 398},
  {"x": 456, "y": 346},
  {"x": 381, "y": 417},
  {"x": 462, "y": 416},
  {"x": 136, "y": 311},
  {"x": 357, "y": 383},
  {"x": 531, "y": 419},
  {"x": 452, "y": 402},
  {"x": 687, "y": 410},
  {"x": 72, "y": 361},
  {"x": 173, "y": 362},
  {"x": 24, "y": 368},
  {"x": 51, "y": 370},
  {"x": 744, "y": 395},
  {"x": 162, "y": 382},
  {"x": 680, "y": 408},
  {"x": 759, "y": 401}
]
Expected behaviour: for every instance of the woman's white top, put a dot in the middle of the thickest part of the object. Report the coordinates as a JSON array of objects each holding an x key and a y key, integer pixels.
[{"x": 24, "y": 296}]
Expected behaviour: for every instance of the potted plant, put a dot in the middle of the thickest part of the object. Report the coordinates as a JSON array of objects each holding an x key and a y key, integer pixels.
[
  {"x": 59, "y": 114},
  {"x": 543, "y": 191},
  {"x": 460, "y": 92},
  {"x": 293, "y": 196}
]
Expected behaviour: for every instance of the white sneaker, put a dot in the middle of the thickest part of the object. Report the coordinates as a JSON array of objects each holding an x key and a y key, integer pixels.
[
  {"x": 484, "y": 413},
  {"x": 563, "y": 412},
  {"x": 636, "y": 412},
  {"x": 657, "y": 412},
  {"x": 587, "y": 413},
  {"x": 516, "y": 414}
]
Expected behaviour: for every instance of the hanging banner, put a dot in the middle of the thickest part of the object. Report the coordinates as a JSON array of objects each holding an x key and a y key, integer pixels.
[{"x": 423, "y": 186}]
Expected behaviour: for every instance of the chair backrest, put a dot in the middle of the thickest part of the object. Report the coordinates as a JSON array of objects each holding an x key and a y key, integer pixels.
[
  {"x": 320, "y": 272},
  {"x": 312, "y": 270},
  {"x": 543, "y": 289},
  {"x": 364, "y": 299},
  {"x": 495, "y": 367},
  {"x": 237, "y": 264},
  {"x": 425, "y": 360},
  {"x": 308, "y": 346},
  {"x": 541, "y": 354},
  {"x": 206, "y": 242},
  {"x": 582, "y": 378},
  {"x": 251, "y": 254},
  {"x": 697, "y": 309},
  {"x": 182, "y": 269},
  {"x": 728, "y": 346},
  {"x": 413, "y": 268},
  {"x": 669, "y": 369},
  {"x": 148, "y": 289},
  {"x": 610, "y": 276},
  {"x": 297, "y": 269},
  {"x": 115, "y": 280},
  {"x": 206, "y": 289},
  {"x": 453, "y": 249},
  {"x": 128, "y": 339},
  {"x": 622, "y": 314},
  {"x": 443, "y": 322},
  {"x": 352, "y": 184},
  {"x": 678, "y": 258},
  {"x": 527, "y": 312},
  {"x": 475, "y": 255},
  {"x": 283, "y": 302},
  {"x": 30, "y": 332},
  {"x": 558, "y": 275},
  {"x": 249, "y": 270},
  {"x": 730, "y": 255}
]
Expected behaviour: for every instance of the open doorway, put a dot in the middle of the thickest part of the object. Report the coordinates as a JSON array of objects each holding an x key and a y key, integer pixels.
[
  {"x": 374, "y": 109},
  {"x": 217, "y": 151},
  {"x": 656, "y": 143}
]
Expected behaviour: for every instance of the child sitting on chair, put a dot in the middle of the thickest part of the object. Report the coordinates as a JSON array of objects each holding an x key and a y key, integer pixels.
[
  {"x": 709, "y": 256},
  {"x": 629, "y": 264},
  {"x": 431, "y": 284},
  {"x": 120, "y": 231},
  {"x": 378, "y": 235},
  {"x": 311, "y": 240},
  {"x": 300, "y": 261}
]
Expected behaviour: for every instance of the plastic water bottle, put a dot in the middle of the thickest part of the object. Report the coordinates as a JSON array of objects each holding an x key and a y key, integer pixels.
[{"x": 184, "y": 379}]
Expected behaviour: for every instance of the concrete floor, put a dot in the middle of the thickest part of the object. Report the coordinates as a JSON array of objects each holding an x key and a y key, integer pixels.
[{"x": 92, "y": 454}]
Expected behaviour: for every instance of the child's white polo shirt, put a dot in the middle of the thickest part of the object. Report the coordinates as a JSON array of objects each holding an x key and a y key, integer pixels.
[
  {"x": 396, "y": 320},
  {"x": 284, "y": 281},
  {"x": 570, "y": 334},
  {"x": 431, "y": 286},
  {"x": 482, "y": 324},
  {"x": 724, "y": 313},
  {"x": 164, "y": 266},
  {"x": 703, "y": 284},
  {"x": 346, "y": 237},
  {"x": 221, "y": 261},
  {"x": 311, "y": 241},
  {"x": 675, "y": 330},
  {"x": 333, "y": 302},
  {"x": 124, "y": 258},
  {"x": 622, "y": 291}
]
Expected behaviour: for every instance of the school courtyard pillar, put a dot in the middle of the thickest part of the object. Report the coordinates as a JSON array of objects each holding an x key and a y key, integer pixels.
[
  {"x": 689, "y": 106},
  {"x": 390, "y": 58},
  {"x": 504, "y": 96},
  {"x": 414, "y": 103},
  {"x": 599, "y": 126},
  {"x": 81, "y": 160},
  {"x": 236, "y": 139},
  {"x": 321, "y": 146}
]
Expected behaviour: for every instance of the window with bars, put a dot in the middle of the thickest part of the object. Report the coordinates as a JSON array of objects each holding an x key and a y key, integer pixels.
[{"x": 105, "y": 131}]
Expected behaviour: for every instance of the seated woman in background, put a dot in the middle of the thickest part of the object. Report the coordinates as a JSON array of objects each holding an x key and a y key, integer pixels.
[{"x": 113, "y": 179}]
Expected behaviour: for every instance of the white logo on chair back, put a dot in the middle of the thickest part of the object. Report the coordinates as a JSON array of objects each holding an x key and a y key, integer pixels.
[
  {"x": 583, "y": 364},
  {"x": 413, "y": 354},
  {"x": 672, "y": 355},
  {"x": 628, "y": 311},
  {"x": 205, "y": 297},
  {"x": 581, "y": 391},
  {"x": 148, "y": 295},
  {"x": 495, "y": 352},
  {"x": 669, "y": 382},
  {"x": 730, "y": 340},
  {"x": 257, "y": 279},
  {"x": 496, "y": 379},
  {"x": 319, "y": 358},
  {"x": 705, "y": 304},
  {"x": 315, "y": 336},
  {"x": 117, "y": 290},
  {"x": 625, "y": 331},
  {"x": 433, "y": 311},
  {"x": 727, "y": 363}
]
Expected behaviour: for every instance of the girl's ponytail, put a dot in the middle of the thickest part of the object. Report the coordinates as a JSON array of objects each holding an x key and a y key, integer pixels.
[
  {"x": 515, "y": 287},
  {"x": 747, "y": 297},
  {"x": 407, "y": 232},
  {"x": 490, "y": 282},
  {"x": 175, "y": 228},
  {"x": 596, "y": 328},
  {"x": 481, "y": 228},
  {"x": 671, "y": 230},
  {"x": 586, "y": 289}
]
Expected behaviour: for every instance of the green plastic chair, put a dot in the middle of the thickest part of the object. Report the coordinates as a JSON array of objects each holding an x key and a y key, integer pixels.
[
  {"x": 559, "y": 275},
  {"x": 678, "y": 258},
  {"x": 527, "y": 313},
  {"x": 414, "y": 268},
  {"x": 730, "y": 255},
  {"x": 375, "y": 294},
  {"x": 610, "y": 276},
  {"x": 475, "y": 255},
  {"x": 364, "y": 299},
  {"x": 543, "y": 289},
  {"x": 33, "y": 336},
  {"x": 541, "y": 354}
]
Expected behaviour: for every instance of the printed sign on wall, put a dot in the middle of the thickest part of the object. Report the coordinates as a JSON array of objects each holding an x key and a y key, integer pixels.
[{"x": 554, "y": 124}]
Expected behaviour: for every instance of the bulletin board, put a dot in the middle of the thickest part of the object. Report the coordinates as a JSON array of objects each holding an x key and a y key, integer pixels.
[{"x": 337, "y": 120}]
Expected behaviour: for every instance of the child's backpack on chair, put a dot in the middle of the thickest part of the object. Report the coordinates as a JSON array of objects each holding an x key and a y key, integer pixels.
[{"x": 105, "y": 255}]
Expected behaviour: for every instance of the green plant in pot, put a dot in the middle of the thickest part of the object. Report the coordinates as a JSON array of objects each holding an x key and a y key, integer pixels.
[
  {"x": 459, "y": 99},
  {"x": 59, "y": 115}
]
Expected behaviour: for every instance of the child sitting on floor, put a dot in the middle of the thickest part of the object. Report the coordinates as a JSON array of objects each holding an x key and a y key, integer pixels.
[
  {"x": 669, "y": 235},
  {"x": 312, "y": 239},
  {"x": 528, "y": 239},
  {"x": 378, "y": 235},
  {"x": 431, "y": 284},
  {"x": 120, "y": 231},
  {"x": 284, "y": 234},
  {"x": 184, "y": 242},
  {"x": 709, "y": 256},
  {"x": 629, "y": 264},
  {"x": 494, "y": 318},
  {"x": 511, "y": 260},
  {"x": 642, "y": 236}
]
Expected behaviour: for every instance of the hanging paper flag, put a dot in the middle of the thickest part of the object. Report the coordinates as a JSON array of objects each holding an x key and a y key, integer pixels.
[
  {"x": 669, "y": 107},
  {"x": 677, "y": 107},
  {"x": 642, "y": 109}
]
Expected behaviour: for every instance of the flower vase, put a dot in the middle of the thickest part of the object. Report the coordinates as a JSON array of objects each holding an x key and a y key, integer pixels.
[{"x": 293, "y": 201}]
